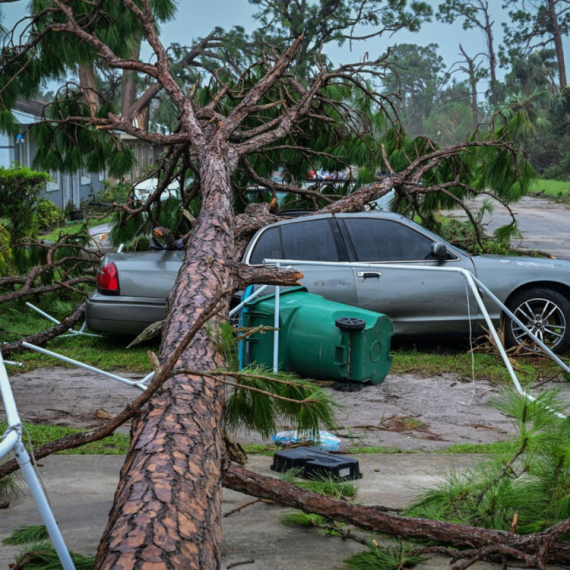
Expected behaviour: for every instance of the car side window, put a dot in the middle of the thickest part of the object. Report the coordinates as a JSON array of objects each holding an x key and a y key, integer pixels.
[
  {"x": 268, "y": 246},
  {"x": 312, "y": 240},
  {"x": 385, "y": 240}
]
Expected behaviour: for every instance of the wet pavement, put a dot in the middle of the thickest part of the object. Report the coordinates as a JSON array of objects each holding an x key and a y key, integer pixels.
[{"x": 544, "y": 224}]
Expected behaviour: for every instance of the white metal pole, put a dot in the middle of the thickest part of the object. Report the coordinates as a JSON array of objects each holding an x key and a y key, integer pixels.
[
  {"x": 13, "y": 441},
  {"x": 42, "y": 503},
  {"x": 276, "y": 325},
  {"x": 81, "y": 364},
  {"x": 518, "y": 321},
  {"x": 252, "y": 296},
  {"x": 71, "y": 332},
  {"x": 43, "y": 314}
]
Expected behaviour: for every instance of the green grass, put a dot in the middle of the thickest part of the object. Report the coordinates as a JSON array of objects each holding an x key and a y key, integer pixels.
[
  {"x": 76, "y": 226},
  {"x": 378, "y": 449},
  {"x": 454, "y": 358},
  {"x": 552, "y": 188},
  {"x": 107, "y": 353},
  {"x": 260, "y": 448},
  {"x": 39, "y": 434},
  {"x": 485, "y": 448}
]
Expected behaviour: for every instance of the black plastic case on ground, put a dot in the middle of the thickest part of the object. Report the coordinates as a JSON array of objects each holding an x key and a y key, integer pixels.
[{"x": 312, "y": 463}]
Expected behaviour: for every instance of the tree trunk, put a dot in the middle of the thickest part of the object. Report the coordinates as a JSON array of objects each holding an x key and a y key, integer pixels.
[
  {"x": 128, "y": 86},
  {"x": 166, "y": 511},
  {"x": 492, "y": 59},
  {"x": 472, "y": 72},
  {"x": 558, "y": 44},
  {"x": 89, "y": 86}
]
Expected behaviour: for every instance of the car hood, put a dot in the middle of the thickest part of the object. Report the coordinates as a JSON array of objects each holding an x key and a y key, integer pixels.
[
  {"x": 509, "y": 262},
  {"x": 504, "y": 275}
]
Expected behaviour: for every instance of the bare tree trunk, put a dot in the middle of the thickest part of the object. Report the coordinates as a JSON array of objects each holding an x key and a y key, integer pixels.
[
  {"x": 89, "y": 86},
  {"x": 166, "y": 511},
  {"x": 558, "y": 44},
  {"x": 128, "y": 86},
  {"x": 488, "y": 29},
  {"x": 472, "y": 73}
]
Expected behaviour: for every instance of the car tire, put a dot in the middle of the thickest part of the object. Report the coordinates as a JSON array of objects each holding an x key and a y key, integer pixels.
[
  {"x": 546, "y": 313},
  {"x": 350, "y": 324}
]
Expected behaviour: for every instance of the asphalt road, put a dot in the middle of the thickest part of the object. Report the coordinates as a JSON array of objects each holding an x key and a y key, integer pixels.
[{"x": 544, "y": 224}]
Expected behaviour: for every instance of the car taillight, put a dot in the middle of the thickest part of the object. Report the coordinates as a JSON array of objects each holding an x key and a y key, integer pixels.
[{"x": 108, "y": 280}]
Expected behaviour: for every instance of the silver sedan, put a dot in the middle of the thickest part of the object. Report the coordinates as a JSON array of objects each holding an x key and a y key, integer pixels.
[{"x": 536, "y": 290}]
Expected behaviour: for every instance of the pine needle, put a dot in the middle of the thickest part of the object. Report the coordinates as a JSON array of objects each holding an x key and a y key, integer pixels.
[
  {"x": 42, "y": 556},
  {"x": 396, "y": 557},
  {"x": 25, "y": 534}
]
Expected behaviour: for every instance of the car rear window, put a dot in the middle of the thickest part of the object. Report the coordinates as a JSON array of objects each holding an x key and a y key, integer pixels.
[
  {"x": 384, "y": 240},
  {"x": 311, "y": 240},
  {"x": 268, "y": 246}
]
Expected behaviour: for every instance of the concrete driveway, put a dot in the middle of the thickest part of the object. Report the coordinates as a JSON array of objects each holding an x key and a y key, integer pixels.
[
  {"x": 81, "y": 490},
  {"x": 543, "y": 223}
]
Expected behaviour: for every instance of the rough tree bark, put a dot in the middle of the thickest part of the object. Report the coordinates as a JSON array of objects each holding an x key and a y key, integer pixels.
[
  {"x": 557, "y": 38},
  {"x": 169, "y": 515}
]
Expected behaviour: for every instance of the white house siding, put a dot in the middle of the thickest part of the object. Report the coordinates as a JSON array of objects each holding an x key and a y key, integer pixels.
[{"x": 64, "y": 188}]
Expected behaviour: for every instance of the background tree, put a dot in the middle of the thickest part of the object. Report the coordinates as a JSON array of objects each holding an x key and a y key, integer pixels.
[
  {"x": 474, "y": 14},
  {"x": 475, "y": 73},
  {"x": 324, "y": 21},
  {"x": 416, "y": 76},
  {"x": 539, "y": 24}
]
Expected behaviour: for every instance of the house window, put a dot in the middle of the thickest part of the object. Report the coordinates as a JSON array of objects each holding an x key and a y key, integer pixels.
[
  {"x": 53, "y": 184},
  {"x": 85, "y": 178},
  {"x": 101, "y": 176}
]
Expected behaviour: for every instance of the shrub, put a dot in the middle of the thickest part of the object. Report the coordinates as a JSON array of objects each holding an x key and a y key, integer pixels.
[
  {"x": 48, "y": 215},
  {"x": 20, "y": 189},
  {"x": 5, "y": 250},
  {"x": 114, "y": 193}
]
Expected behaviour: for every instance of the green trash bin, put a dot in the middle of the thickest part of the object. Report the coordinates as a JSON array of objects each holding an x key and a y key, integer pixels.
[{"x": 319, "y": 338}]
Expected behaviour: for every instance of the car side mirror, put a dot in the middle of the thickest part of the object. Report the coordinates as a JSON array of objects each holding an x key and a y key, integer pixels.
[{"x": 439, "y": 251}]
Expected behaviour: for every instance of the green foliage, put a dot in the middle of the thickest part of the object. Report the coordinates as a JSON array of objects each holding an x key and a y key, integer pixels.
[
  {"x": 134, "y": 231},
  {"x": 20, "y": 189},
  {"x": 69, "y": 147},
  {"x": 42, "y": 556},
  {"x": 5, "y": 249},
  {"x": 417, "y": 75},
  {"x": 48, "y": 215},
  {"x": 299, "y": 518},
  {"x": 277, "y": 398},
  {"x": 25, "y": 534},
  {"x": 392, "y": 557},
  {"x": 114, "y": 192},
  {"x": 532, "y": 482}
]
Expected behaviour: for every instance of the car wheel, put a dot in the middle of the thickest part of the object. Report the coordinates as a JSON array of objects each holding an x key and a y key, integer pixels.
[
  {"x": 546, "y": 313},
  {"x": 350, "y": 324}
]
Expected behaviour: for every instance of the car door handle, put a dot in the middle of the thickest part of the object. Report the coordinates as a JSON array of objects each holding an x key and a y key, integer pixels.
[{"x": 369, "y": 274}]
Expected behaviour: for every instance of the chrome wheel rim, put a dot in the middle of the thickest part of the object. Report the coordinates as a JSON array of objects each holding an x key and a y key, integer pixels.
[{"x": 543, "y": 318}]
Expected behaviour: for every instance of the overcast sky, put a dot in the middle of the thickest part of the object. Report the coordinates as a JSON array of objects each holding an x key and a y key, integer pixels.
[{"x": 196, "y": 18}]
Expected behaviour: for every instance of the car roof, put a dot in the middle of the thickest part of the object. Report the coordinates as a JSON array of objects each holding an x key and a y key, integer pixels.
[{"x": 369, "y": 214}]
